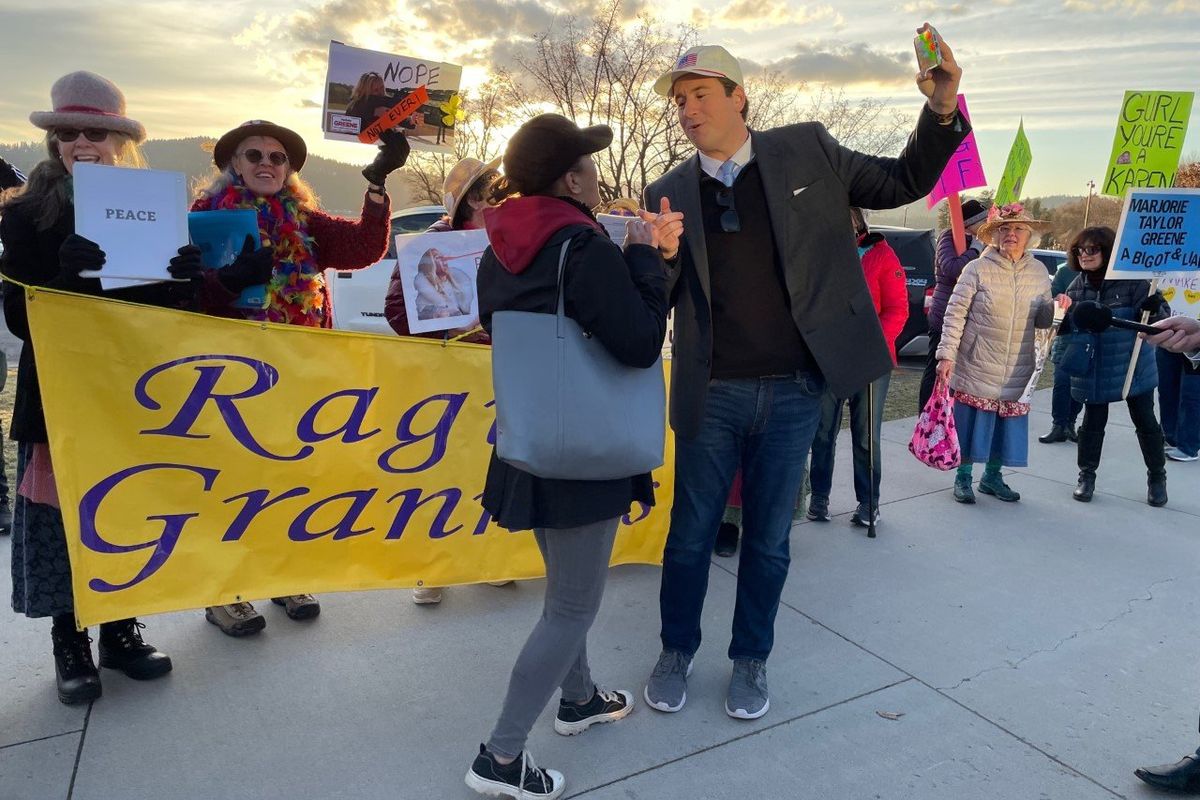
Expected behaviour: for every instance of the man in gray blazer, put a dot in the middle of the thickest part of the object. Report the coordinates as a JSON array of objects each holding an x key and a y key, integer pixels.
[{"x": 771, "y": 307}]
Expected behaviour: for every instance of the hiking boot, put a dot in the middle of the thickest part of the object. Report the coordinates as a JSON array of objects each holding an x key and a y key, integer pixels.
[
  {"x": 122, "y": 649},
  {"x": 747, "y": 698},
  {"x": 427, "y": 595},
  {"x": 963, "y": 493},
  {"x": 236, "y": 619},
  {"x": 667, "y": 688},
  {"x": 727, "y": 540},
  {"x": 5, "y": 517},
  {"x": 519, "y": 780},
  {"x": 862, "y": 515},
  {"x": 573, "y": 718},
  {"x": 992, "y": 483},
  {"x": 75, "y": 673},
  {"x": 818, "y": 508},
  {"x": 298, "y": 606}
]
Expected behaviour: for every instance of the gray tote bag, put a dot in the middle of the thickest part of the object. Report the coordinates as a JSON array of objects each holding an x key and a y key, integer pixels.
[{"x": 565, "y": 407}]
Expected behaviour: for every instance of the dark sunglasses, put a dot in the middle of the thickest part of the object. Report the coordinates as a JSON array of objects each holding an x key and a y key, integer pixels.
[
  {"x": 730, "y": 221},
  {"x": 276, "y": 157},
  {"x": 91, "y": 134},
  {"x": 1087, "y": 250}
]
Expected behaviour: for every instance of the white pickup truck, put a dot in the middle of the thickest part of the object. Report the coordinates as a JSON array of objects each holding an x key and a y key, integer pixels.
[{"x": 358, "y": 296}]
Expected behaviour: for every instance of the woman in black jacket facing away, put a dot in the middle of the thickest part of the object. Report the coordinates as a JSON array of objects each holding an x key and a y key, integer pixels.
[{"x": 621, "y": 300}]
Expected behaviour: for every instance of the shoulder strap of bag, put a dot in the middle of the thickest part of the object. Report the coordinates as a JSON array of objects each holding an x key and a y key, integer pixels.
[{"x": 560, "y": 309}]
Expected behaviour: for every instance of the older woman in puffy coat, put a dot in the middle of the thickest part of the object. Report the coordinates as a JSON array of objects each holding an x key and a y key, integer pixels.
[
  {"x": 1098, "y": 375},
  {"x": 987, "y": 349}
]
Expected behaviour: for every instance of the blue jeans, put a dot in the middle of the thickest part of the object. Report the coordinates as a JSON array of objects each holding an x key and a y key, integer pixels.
[
  {"x": 765, "y": 426},
  {"x": 825, "y": 442},
  {"x": 1064, "y": 409},
  {"x": 1179, "y": 401}
]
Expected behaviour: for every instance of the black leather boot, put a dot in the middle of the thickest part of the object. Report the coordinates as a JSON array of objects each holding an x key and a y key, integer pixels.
[
  {"x": 1156, "y": 467},
  {"x": 1182, "y": 776},
  {"x": 1091, "y": 443},
  {"x": 122, "y": 648},
  {"x": 1058, "y": 433},
  {"x": 74, "y": 671}
]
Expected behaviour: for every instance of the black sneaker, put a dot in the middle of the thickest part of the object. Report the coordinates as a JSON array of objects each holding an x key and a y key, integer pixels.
[
  {"x": 862, "y": 516},
  {"x": 603, "y": 707},
  {"x": 520, "y": 779},
  {"x": 818, "y": 509}
]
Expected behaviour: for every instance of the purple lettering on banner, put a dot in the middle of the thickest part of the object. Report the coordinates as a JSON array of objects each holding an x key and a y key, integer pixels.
[
  {"x": 344, "y": 529},
  {"x": 350, "y": 430},
  {"x": 440, "y": 433},
  {"x": 491, "y": 437},
  {"x": 643, "y": 509},
  {"x": 163, "y": 546},
  {"x": 485, "y": 518},
  {"x": 413, "y": 501},
  {"x": 965, "y": 168},
  {"x": 256, "y": 500},
  {"x": 207, "y": 378}
]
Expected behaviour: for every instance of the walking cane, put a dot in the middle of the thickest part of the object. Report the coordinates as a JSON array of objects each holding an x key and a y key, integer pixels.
[{"x": 871, "y": 445}]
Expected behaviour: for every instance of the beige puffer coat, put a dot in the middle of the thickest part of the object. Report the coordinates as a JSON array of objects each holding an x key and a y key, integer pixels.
[{"x": 990, "y": 321}]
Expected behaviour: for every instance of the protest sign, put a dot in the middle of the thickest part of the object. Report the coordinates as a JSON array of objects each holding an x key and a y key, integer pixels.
[
  {"x": 965, "y": 168},
  {"x": 1183, "y": 293},
  {"x": 1151, "y": 128},
  {"x": 617, "y": 226},
  {"x": 220, "y": 460},
  {"x": 221, "y": 235},
  {"x": 368, "y": 91},
  {"x": 137, "y": 216},
  {"x": 1159, "y": 234},
  {"x": 438, "y": 273},
  {"x": 1015, "y": 169}
]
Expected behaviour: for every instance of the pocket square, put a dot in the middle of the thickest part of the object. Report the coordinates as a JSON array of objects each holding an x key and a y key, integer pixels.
[{"x": 798, "y": 191}]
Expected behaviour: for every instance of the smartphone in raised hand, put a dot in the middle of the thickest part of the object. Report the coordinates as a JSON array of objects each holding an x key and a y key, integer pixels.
[{"x": 928, "y": 45}]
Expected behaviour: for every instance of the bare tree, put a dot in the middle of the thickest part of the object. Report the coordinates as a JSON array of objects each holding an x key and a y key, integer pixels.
[
  {"x": 866, "y": 125},
  {"x": 476, "y": 136}
]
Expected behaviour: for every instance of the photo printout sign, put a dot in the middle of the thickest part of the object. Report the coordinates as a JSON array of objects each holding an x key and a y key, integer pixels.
[
  {"x": 137, "y": 216},
  {"x": 1159, "y": 234},
  {"x": 368, "y": 91},
  {"x": 438, "y": 271}
]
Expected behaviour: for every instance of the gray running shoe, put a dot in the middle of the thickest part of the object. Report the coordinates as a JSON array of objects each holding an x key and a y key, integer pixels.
[
  {"x": 748, "y": 689},
  {"x": 667, "y": 688},
  {"x": 235, "y": 619}
]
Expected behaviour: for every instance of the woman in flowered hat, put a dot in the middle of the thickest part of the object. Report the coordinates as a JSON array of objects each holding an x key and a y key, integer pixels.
[
  {"x": 259, "y": 166},
  {"x": 87, "y": 126},
  {"x": 987, "y": 348}
]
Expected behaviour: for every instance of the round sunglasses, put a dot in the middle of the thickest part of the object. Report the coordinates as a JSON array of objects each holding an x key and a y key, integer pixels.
[{"x": 255, "y": 156}]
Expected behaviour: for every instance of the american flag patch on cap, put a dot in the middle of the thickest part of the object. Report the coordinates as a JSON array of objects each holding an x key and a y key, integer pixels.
[{"x": 688, "y": 60}]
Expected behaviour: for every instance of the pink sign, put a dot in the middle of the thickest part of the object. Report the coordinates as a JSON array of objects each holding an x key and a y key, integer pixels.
[{"x": 965, "y": 170}]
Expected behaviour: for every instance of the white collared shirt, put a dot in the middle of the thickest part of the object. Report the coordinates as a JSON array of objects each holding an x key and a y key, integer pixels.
[{"x": 741, "y": 158}]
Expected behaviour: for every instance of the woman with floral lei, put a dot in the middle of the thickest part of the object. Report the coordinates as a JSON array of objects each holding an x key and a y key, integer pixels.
[
  {"x": 259, "y": 165},
  {"x": 987, "y": 348}
]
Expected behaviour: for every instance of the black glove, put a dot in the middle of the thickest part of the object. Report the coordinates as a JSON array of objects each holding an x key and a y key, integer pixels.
[
  {"x": 393, "y": 152},
  {"x": 250, "y": 268},
  {"x": 76, "y": 255},
  {"x": 187, "y": 264},
  {"x": 1154, "y": 305}
]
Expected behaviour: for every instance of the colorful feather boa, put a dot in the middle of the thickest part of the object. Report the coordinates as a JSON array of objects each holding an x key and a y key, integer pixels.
[{"x": 295, "y": 293}]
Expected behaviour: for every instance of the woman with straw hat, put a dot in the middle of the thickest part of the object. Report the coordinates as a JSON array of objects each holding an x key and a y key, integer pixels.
[
  {"x": 987, "y": 348},
  {"x": 87, "y": 126}
]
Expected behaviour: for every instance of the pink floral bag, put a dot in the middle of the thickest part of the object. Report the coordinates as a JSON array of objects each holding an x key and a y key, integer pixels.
[{"x": 935, "y": 441}]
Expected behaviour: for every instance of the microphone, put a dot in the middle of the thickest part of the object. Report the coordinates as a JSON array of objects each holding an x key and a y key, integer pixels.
[{"x": 1088, "y": 315}]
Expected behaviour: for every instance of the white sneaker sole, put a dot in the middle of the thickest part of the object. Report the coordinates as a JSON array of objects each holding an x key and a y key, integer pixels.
[
  {"x": 426, "y": 601},
  {"x": 572, "y": 728},
  {"x": 742, "y": 713},
  {"x": 664, "y": 706},
  {"x": 498, "y": 789}
]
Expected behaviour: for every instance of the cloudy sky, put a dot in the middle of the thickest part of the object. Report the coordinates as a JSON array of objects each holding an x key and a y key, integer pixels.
[{"x": 191, "y": 68}]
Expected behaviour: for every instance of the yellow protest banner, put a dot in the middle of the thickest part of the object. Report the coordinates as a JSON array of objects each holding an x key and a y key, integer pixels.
[{"x": 202, "y": 461}]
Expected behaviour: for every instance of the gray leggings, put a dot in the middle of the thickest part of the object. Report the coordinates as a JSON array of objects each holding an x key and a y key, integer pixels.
[{"x": 555, "y": 654}]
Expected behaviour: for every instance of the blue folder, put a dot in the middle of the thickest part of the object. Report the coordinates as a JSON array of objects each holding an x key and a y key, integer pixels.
[{"x": 220, "y": 236}]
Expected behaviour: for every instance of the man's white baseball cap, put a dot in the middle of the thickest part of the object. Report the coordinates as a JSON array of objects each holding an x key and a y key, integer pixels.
[{"x": 707, "y": 60}]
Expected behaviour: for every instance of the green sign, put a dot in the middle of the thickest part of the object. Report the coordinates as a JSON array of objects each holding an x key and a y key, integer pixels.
[
  {"x": 1150, "y": 132},
  {"x": 1015, "y": 170}
]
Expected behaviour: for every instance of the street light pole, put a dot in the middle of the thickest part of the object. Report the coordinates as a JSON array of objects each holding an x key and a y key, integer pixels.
[{"x": 1087, "y": 206}]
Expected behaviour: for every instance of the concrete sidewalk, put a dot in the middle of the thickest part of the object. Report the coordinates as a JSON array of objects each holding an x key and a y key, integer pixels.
[{"x": 1035, "y": 650}]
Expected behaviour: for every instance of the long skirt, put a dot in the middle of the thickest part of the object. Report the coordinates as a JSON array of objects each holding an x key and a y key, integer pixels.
[
  {"x": 41, "y": 571},
  {"x": 986, "y": 436}
]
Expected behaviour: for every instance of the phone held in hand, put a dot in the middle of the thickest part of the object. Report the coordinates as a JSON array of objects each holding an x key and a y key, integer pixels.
[{"x": 928, "y": 45}]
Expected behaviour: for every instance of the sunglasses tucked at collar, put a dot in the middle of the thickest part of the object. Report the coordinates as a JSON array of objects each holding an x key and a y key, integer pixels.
[
  {"x": 71, "y": 134},
  {"x": 730, "y": 221},
  {"x": 277, "y": 157}
]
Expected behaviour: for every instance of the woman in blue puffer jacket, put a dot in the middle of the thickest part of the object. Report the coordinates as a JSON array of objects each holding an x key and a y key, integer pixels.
[{"x": 1098, "y": 363}]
